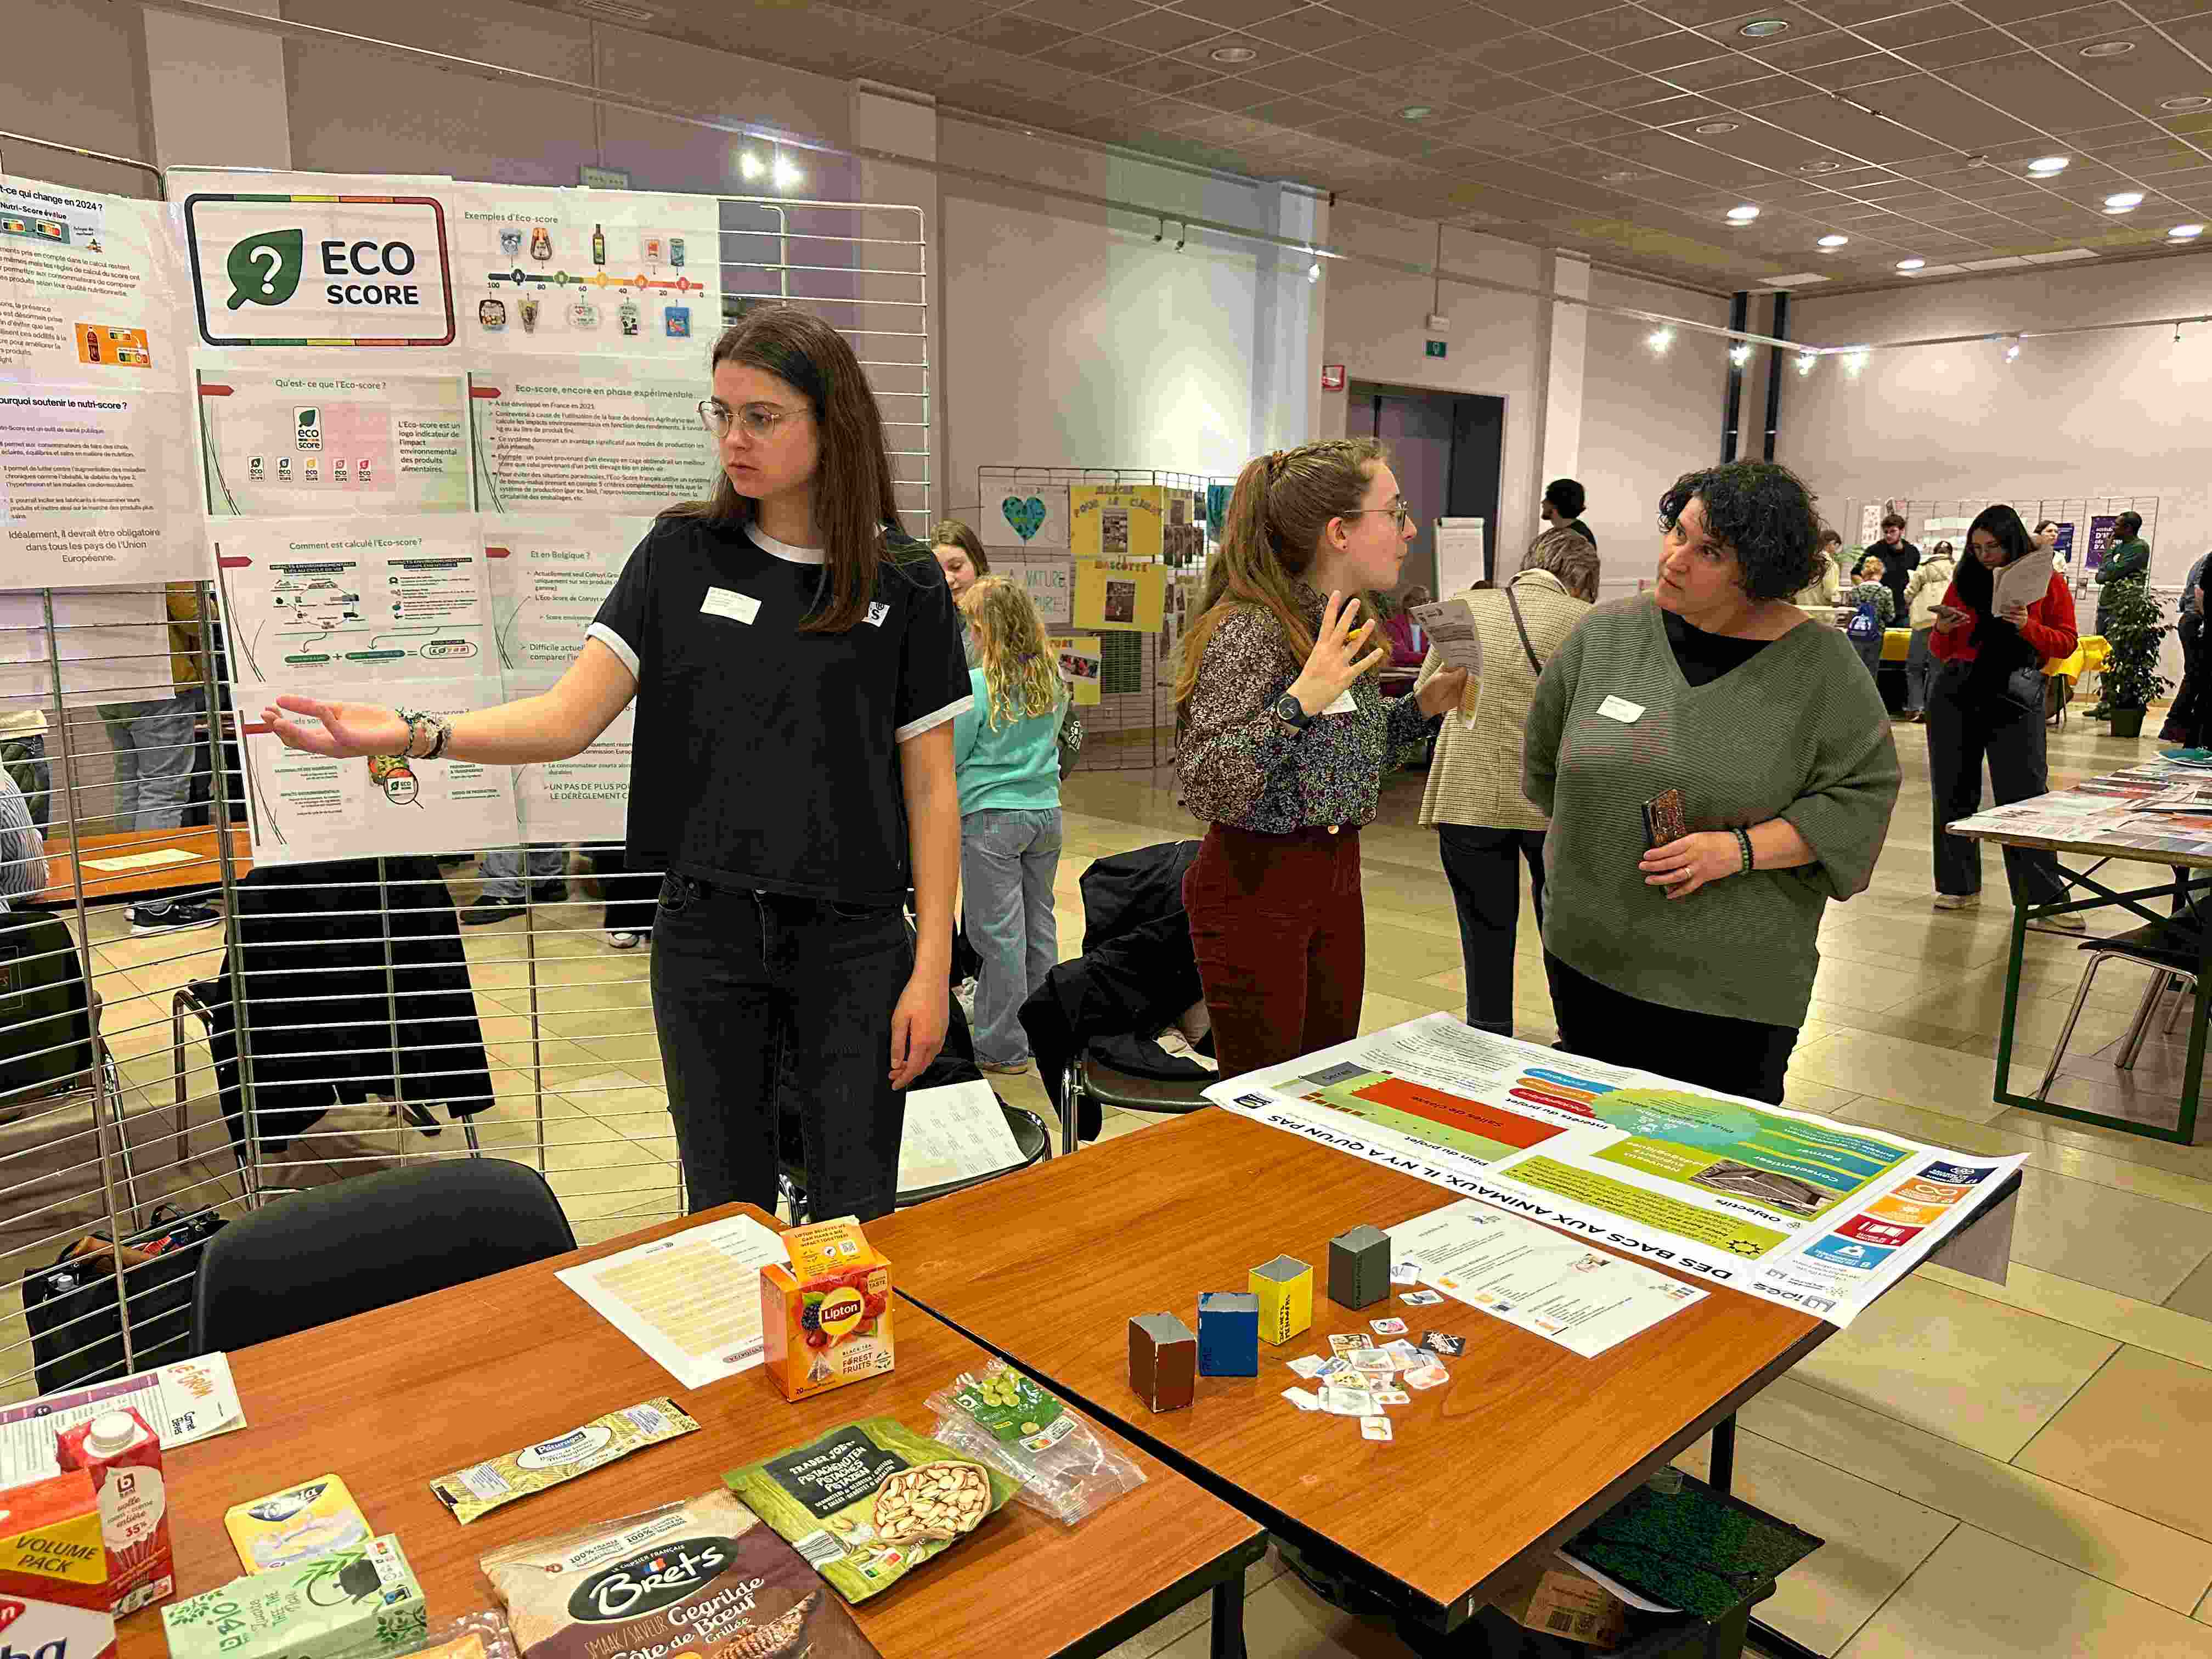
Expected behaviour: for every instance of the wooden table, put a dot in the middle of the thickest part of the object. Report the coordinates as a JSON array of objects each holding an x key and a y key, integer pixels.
[
  {"x": 102, "y": 887},
  {"x": 390, "y": 1399},
  {"x": 1527, "y": 1445}
]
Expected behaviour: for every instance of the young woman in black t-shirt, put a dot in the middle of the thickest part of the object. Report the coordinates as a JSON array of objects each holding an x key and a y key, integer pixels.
[{"x": 797, "y": 666}]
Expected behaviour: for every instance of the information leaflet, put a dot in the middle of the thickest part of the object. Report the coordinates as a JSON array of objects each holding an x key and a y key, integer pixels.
[{"x": 1810, "y": 1213}]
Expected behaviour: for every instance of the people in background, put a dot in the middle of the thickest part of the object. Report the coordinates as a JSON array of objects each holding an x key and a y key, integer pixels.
[
  {"x": 1409, "y": 643},
  {"x": 23, "y": 757},
  {"x": 961, "y": 557},
  {"x": 1825, "y": 592},
  {"x": 1898, "y": 559},
  {"x": 1564, "y": 500},
  {"x": 22, "y": 848},
  {"x": 1283, "y": 735},
  {"x": 2128, "y": 559},
  {"x": 1714, "y": 701},
  {"x": 515, "y": 878},
  {"x": 797, "y": 671},
  {"x": 154, "y": 740},
  {"x": 1873, "y": 608},
  {"x": 1986, "y": 703},
  {"x": 2182, "y": 720},
  {"x": 1005, "y": 748},
  {"x": 1485, "y": 827},
  {"x": 2045, "y": 536},
  {"x": 1922, "y": 595}
]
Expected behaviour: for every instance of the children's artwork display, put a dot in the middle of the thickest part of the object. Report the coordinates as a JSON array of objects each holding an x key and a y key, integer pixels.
[
  {"x": 1026, "y": 516},
  {"x": 1080, "y": 666},
  {"x": 1120, "y": 594},
  {"x": 1120, "y": 521}
]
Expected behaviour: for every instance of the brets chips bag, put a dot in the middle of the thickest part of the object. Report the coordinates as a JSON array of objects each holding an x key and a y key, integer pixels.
[
  {"x": 868, "y": 1502},
  {"x": 704, "y": 1578}
]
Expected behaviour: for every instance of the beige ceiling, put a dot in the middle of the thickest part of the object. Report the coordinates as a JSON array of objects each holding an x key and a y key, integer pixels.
[{"x": 1574, "y": 123}]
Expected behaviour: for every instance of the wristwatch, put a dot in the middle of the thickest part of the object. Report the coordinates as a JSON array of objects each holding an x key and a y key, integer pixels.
[{"x": 1292, "y": 713}]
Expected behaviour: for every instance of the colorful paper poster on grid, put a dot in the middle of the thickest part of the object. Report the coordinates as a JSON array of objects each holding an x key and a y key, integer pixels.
[
  {"x": 91, "y": 289},
  {"x": 287, "y": 444},
  {"x": 1120, "y": 522},
  {"x": 1120, "y": 594},
  {"x": 1049, "y": 580},
  {"x": 1026, "y": 515},
  {"x": 96, "y": 486},
  {"x": 1080, "y": 664},
  {"x": 312, "y": 260}
]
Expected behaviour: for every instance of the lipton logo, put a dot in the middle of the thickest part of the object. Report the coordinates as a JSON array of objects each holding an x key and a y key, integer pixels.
[
  {"x": 841, "y": 1310},
  {"x": 650, "y": 1581}
]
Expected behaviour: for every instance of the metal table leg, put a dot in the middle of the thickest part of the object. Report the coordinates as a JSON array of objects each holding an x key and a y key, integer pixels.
[
  {"x": 1721, "y": 1477},
  {"x": 1229, "y": 1618}
]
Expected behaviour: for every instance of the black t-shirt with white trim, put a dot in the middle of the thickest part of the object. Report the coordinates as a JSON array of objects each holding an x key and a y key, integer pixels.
[{"x": 765, "y": 758}]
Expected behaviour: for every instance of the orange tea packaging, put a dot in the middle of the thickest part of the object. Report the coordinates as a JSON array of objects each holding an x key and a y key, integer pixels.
[
  {"x": 123, "y": 1457},
  {"x": 826, "y": 1319},
  {"x": 53, "y": 1571}
]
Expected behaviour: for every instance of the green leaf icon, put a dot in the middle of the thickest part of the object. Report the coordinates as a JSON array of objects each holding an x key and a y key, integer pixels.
[{"x": 265, "y": 269}]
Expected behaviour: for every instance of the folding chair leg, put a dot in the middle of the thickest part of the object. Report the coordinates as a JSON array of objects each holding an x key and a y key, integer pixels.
[
  {"x": 2184, "y": 986},
  {"x": 2073, "y": 1018},
  {"x": 1070, "y": 1084},
  {"x": 177, "y": 1076},
  {"x": 2139, "y": 1031}
]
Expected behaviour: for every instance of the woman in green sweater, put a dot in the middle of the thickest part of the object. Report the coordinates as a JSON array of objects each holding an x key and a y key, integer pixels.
[{"x": 1695, "y": 957}]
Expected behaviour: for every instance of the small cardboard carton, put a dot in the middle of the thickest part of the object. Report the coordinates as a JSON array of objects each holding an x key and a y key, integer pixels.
[{"x": 826, "y": 1319}]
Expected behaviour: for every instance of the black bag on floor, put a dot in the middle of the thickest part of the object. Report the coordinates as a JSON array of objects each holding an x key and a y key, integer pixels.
[
  {"x": 46, "y": 1028},
  {"x": 76, "y": 1326}
]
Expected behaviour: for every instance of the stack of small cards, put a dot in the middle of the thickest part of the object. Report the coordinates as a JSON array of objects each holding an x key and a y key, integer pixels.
[{"x": 1361, "y": 1376}]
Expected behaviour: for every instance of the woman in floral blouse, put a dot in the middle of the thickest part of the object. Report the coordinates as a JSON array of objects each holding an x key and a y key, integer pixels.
[{"x": 1282, "y": 735}]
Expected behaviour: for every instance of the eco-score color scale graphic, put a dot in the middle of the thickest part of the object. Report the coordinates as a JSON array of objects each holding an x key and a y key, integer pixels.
[{"x": 320, "y": 270}]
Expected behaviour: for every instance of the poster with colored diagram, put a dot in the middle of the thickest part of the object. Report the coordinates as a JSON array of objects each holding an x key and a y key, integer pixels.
[
  {"x": 1801, "y": 1210},
  {"x": 301, "y": 443}
]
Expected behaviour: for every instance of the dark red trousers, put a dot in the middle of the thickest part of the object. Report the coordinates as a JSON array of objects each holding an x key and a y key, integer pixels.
[{"x": 1281, "y": 937}]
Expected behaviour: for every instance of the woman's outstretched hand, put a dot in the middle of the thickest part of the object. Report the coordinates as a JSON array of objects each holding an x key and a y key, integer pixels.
[
  {"x": 346, "y": 729},
  {"x": 1335, "y": 663}
]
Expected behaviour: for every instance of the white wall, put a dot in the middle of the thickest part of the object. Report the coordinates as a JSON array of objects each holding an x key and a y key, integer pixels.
[
  {"x": 84, "y": 85},
  {"x": 2124, "y": 412}
]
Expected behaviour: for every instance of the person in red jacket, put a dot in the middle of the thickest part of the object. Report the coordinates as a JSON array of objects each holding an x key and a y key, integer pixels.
[{"x": 1987, "y": 702}]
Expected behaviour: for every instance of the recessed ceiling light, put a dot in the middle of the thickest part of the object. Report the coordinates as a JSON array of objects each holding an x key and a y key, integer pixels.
[
  {"x": 1622, "y": 176},
  {"x": 1911, "y": 264},
  {"x": 1742, "y": 215},
  {"x": 1232, "y": 54},
  {"x": 2178, "y": 105},
  {"x": 2125, "y": 201},
  {"x": 1833, "y": 240},
  {"x": 1821, "y": 166},
  {"x": 1416, "y": 112},
  {"x": 1718, "y": 126},
  {"x": 2044, "y": 168},
  {"x": 2108, "y": 49},
  {"x": 1760, "y": 28},
  {"x": 2185, "y": 232}
]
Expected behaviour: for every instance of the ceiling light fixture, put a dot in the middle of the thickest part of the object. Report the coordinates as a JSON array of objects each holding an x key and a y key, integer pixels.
[
  {"x": 1232, "y": 54},
  {"x": 2126, "y": 201},
  {"x": 1763, "y": 28},
  {"x": 2179, "y": 105},
  {"x": 1806, "y": 359},
  {"x": 1833, "y": 240},
  {"x": 1710, "y": 128},
  {"x": 1739, "y": 354},
  {"x": 2012, "y": 351},
  {"x": 1853, "y": 360},
  {"x": 786, "y": 174},
  {"x": 1911, "y": 265},
  {"x": 1742, "y": 215},
  {"x": 750, "y": 166},
  {"x": 2108, "y": 49},
  {"x": 1659, "y": 339},
  {"x": 1821, "y": 166},
  {"x": 1313, "y": 272},
  {"x": 2185, "y": 232},
  {"x": 1415, "y": 112},
  {"x": 2049, "y": 165}
]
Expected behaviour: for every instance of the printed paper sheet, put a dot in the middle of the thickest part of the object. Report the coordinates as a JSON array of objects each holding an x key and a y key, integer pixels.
[
  {"x": 691, "y": 1300},
  {"x": 1801, "y": 1211},
  {"x": 192, "y": 1400}
]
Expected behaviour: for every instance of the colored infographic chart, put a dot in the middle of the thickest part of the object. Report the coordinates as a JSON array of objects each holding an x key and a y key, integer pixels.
[{"x": 569, "y": 272}]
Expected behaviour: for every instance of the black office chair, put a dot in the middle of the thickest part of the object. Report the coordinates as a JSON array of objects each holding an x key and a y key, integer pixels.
[
  {"x": 330, "y": 1252},
  {"x": 2174, "y": 947}
]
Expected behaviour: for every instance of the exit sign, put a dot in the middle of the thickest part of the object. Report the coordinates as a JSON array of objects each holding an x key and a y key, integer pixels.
[
  {"x": 603, "y": 177},
  {"x": 1435, "y": 348}
]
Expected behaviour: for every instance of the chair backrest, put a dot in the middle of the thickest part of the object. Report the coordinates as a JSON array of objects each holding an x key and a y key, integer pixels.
[
  {"x": 330, "y": 1252},
  {"x": 45, "y": 1031}
]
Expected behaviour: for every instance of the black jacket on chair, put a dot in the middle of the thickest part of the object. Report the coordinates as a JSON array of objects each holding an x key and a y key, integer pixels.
[
  {"x": 313, "y": 942},
  {"x": 1138, "y": 970}
]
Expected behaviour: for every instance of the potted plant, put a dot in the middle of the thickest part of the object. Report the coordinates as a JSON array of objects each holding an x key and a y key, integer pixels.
[{"x": 2134, "y": 625}]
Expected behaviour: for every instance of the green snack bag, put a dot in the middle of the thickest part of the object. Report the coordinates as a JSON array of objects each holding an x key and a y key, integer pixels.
[{"x": 868, "y": 1502}]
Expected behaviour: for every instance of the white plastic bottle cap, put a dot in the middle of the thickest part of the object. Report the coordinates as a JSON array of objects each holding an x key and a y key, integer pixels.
[{"x": 111, "y": 1434}]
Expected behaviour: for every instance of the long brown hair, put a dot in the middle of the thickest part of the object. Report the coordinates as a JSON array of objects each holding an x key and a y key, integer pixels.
[
  {"x": 1281, "y": 505},
  {"x": 1021, "y": 676},
  {"x": 953, "y": 532},
  {"x": 855, "y": 502}
]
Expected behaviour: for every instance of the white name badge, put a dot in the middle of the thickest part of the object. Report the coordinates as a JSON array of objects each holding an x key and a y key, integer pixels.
[
  {"x": 722, "y": 602},
  {"x": 1620, "y": 709},
  {"x": 1345, "y": 704}
]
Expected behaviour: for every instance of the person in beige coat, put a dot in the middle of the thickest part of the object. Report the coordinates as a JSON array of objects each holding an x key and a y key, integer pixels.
[
  {"x": 1485, "y": 825},
  {"x": 1923, "y": 591},
  {"x": 1826, "y": 590}
]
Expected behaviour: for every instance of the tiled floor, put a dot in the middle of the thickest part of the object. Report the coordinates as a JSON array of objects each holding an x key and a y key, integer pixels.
[{"x": 2000, "y": 1471}]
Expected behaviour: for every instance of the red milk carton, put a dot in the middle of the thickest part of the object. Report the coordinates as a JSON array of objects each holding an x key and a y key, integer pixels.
[{"x": 124, "y": 1457}]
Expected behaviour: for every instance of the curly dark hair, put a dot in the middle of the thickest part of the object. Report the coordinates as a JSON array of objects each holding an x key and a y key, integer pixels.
[{"x": 1760, "y": 511}]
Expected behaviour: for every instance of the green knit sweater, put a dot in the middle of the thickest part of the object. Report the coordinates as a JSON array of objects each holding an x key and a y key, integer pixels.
[{"x": 1797, "y": 733}]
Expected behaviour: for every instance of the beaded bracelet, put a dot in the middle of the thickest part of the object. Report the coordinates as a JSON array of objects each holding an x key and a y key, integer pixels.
[{"x": 1743, "y": 842}]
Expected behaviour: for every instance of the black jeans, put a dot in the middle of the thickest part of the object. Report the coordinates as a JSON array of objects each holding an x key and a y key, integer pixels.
[
  {"x": 765, "y": 1001},
  {"x": 1483, "y": 866},
  {"x": 1730, "y": 1056},
  {"x": 1960, "y": 735}
]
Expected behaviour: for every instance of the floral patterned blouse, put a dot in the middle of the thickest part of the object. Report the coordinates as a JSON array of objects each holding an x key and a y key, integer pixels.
[{"x": 1239, "y": 764}]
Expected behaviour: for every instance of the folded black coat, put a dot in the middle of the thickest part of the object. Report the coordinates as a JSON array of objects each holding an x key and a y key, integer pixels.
[
  {"x": 352, "y": 989},
  {"x": 1137, "y": 972}
]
